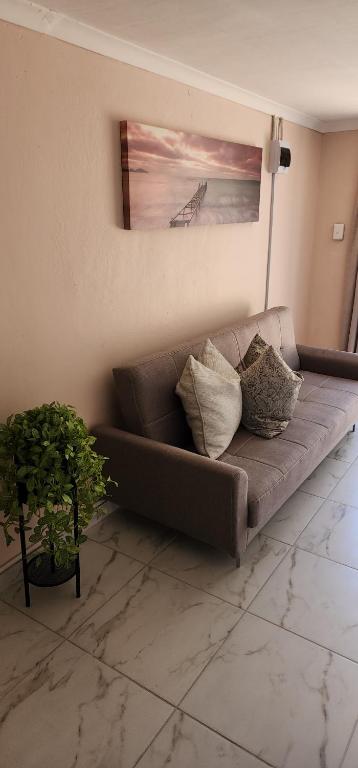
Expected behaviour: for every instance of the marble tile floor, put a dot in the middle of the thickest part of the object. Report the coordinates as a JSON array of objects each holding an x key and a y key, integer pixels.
[{"x": 173, "y": 657}]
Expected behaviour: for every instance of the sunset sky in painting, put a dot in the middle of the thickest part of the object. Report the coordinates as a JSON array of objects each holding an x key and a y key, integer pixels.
[{"x": 158, "y": 150}]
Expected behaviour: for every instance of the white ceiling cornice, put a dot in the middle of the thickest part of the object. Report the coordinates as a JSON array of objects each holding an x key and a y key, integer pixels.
[
  {"x": 335, "y": 126},
  {"x": 33, "y": 16}
]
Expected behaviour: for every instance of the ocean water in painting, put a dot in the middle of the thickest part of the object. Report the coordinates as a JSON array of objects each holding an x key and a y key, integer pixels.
[{"x": 156, "y": 199}]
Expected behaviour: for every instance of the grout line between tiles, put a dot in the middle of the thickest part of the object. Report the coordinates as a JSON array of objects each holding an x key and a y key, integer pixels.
[
  {"x": 115, "y": 549},
  {"x": 90, "y": 615},
  {"x": 154, "y": 738},
  {"x": 300, "y": 490},
  {"x": 38, "y": 662},
  {"x": 303, "y": 637},
  {"x": 212, "y": 594},
  {"x": 348, "y": 745},
  {"x": 138, "y": 559},
  {"x": 292, "y": 544},
  {"x": 24, "y": 610},
  {"x": 145, "y": 565},
  {"x": 175, "y": 707},
  {"x": 316, "y": 495},
  {"x": 330, "y": 559},
  {"x": 142, "y": 685},
  {"x": 338, "y": 480},
  {"x": 226, "y": 738},
  {"x": 151, "y": 564},
  {"x": 211, "y": 659},
  {"x": 290, "y": 547},
  {"x": 199, "y": 589},
  {"x": 122, "y": 674},
  {"x": 242, "y": 610},
  {"x": 310, "y": 552},
  {"x": 178, "y": 707}
]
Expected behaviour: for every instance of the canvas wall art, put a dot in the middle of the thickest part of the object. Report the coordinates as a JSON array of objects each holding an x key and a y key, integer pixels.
[{"x": 176, "y": 179}]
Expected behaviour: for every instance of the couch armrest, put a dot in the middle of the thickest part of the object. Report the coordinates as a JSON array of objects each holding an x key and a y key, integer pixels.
[
  {"x": 204, "y": 498},
  {"x": 330, "y": 362}
]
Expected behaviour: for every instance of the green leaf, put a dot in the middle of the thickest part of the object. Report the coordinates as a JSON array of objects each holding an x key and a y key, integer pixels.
[{"x": 22, "y": 472}]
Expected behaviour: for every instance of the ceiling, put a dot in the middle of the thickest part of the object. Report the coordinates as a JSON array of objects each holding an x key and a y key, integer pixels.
[{"x": 300, "y": 53}]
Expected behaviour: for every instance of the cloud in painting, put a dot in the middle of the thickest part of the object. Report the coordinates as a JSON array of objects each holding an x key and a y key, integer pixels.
[{"x": 158, "y": 150}]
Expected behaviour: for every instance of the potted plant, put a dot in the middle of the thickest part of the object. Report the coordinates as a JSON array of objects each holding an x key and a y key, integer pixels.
[{"x": 51, "y": 481}]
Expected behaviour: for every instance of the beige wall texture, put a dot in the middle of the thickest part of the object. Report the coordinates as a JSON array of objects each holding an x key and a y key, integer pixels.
[
  {"x": 338, "y": 198},
  {"x": 78, "y": 294}
]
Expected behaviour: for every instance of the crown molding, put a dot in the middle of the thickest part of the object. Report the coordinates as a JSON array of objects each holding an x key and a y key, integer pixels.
[
  {"x": 40, "y": 19},
  {"x": 335, "y": 126}
]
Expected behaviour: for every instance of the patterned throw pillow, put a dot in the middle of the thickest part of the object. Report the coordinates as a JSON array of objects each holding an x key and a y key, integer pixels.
[
  {"x": 269, "y": 393},
  {"x": 255, "y": 350},
  {"x": 211, "y": 397}
]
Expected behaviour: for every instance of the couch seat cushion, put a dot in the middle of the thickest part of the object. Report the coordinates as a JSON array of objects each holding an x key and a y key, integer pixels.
[{"x": 326, "y": 409}]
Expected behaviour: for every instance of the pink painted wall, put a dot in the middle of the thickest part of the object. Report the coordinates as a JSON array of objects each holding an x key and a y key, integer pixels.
[
  {"x": 78, "y": 293},
  {"x": 295, "y": 209},
  {"x": 338, "y": 196}
]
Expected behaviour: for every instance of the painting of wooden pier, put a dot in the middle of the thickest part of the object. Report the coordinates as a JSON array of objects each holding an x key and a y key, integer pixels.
[{"x": 174, "y": 179}]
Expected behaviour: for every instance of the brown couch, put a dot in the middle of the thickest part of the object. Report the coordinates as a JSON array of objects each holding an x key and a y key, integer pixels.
[{"x": 224, "y": 502}]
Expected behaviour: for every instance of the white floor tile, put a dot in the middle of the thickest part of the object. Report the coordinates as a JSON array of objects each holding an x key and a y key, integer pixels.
[
  {"x": 351, "y": 757},
  {"x": 185, "y": 743},
  {"x": 287, "y": 524},
  {"x": 347, "y": 489},
  {"x": 158, "y": 631},
  {"x": 73, "y": 711},
  {"x": 347, "y": 449},
  {"x": 333, "y": 533},
  {"x": 131, "y": 534},
  {"x": 103, "y": 572},
  {"x": 23, "y": 643},
  {"x": 314, "y": 597},
  {"x": 279, "y": 696},
  {"x": 215, "y": 572},
  {"x": 325, "y": 477}
]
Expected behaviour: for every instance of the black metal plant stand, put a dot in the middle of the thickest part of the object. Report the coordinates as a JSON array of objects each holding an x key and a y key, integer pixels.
[{"x": 41, "y": 569}]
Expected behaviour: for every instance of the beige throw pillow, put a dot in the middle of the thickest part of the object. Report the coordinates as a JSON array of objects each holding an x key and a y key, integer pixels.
[
  {"x": 213, "y": 359},
  {"x": 211, "y": 398},
  {"x": 269, "y": 392}
]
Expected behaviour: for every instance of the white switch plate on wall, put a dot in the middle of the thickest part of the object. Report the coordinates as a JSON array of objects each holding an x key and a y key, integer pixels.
[{"x": 338, "y": 232}]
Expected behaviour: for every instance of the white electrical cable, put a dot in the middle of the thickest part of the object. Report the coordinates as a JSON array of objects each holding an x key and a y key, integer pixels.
[
  {"x": 276, "y": 133},
  {"x": 268, "y": 270}
]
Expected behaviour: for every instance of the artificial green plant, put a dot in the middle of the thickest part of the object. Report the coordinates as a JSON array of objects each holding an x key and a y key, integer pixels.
[{"x": 47, "y": 461}]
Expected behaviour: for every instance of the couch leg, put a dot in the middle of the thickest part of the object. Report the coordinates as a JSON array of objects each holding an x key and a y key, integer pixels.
[
  {"x": 354, "y": 428},
  {"x": 237, "y": 560}
]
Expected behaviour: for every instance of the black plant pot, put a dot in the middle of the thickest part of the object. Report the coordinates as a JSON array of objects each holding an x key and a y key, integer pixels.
[{"x": 41, "y": 570}]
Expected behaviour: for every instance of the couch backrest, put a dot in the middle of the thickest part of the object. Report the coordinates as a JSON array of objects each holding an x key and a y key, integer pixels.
[{"x": 146, "y": 389}]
